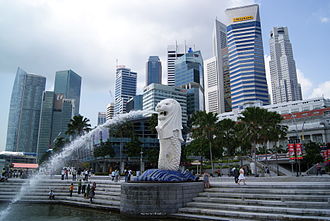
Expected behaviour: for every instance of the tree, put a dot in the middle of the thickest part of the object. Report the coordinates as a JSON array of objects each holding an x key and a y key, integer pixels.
[
  {"x": 259, "y": 126},
  {"x": 227, "y": 136},
  {"x": 133, "y": 148},
  {"x": 313, "y": 154},
  {"x": 204, "y": 127},
  {"x": 104, "y": 149},
  {"x": 78, "y": 126}
]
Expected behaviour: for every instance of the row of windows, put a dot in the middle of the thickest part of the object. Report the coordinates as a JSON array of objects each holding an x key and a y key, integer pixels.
[
  {"x": 249, "y": 86},
  {"x": 253, "y": 53},
  {"x": 248, "y": 82},
  {"x": 243, "y": 25},
  {"x": 244, "y": 30},
  {"x": 256, "y": 33},
  {"x": 248, "y": 91},
  {"x": 249, "y": 95},
  {"x": 255, "y": 65},
  {"x": 245, "y": 100},
  {"x": 262, "y": 69},
  {"x": 232, "y": 77},
  {"x": 240, "y": 38},
  {"x": 246, "y": 57},
  {"x": 246, "y": 78}
]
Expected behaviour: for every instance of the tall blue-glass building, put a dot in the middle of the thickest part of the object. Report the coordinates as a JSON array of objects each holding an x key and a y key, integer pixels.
[
  {"x": 189, "y": 74},
  {"x": 125, "y": 88},
  {"x": 68, "y": 83},
  {"x": 154, "y": 70},
  {"x": 24, "y": 112},
  {"x": 246, "y": 57}
]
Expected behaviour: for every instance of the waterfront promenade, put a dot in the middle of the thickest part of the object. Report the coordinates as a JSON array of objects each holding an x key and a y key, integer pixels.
[{"x": 272, "y": 198}]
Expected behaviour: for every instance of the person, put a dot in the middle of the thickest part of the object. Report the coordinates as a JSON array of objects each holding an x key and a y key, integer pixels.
[
  {"x": 206, "y": 179},
  {"x": 86, "y": 174},
  {"x": 117, "y": 176},
  {"x": 91, "y": 194},
  {"x": 79, "y": 186},
  {"x": 318, "y": 169},
  {"x": 86, "y": 195},
  {"x": 129, "y": 175},
  {"x": 94, "y": 185},
  {"x": 66, "y": 171},
  {"x": 236, "y": 174},
  {"x": 74, "y": 174},
  {"x": 126, "y": 175},
  {"x": 51, "y": 195},
  {"x": 62, "y": 174},
  {"x": 241, "y": 176},
  {"x": 71, "y": 188},
  {"x": 267, "y": 171},
  {"x": 83, "y": 189},
  {"x": 113, "y": 174}
]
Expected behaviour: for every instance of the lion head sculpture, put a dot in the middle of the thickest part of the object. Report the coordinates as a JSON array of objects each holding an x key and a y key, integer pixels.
[{"x": 169, "y": 119}]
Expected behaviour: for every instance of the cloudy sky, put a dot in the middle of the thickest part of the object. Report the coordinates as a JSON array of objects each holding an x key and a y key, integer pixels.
[{"x": 88, "y": 36}]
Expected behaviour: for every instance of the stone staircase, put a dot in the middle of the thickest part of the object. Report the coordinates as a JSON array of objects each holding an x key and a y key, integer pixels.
[
  {"x": 107, "y": 194},
  {"x": 286, "y": 201}
]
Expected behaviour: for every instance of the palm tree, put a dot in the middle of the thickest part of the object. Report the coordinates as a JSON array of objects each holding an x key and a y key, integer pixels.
[
  {"x": 78, "y": 126},
  {"x": 227, "y": 136},
  {"x": 204, "y": 126},
  {"x": 261, "y": 126}
]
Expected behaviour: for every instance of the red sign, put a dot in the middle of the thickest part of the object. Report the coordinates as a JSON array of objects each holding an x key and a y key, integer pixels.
[
  {"x": 295, "y": 151},
  {"x": 299, "y": 151},
  {"x": 291, "y": 151}
]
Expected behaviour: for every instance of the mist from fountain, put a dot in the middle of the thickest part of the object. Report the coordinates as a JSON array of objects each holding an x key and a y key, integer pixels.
[{"x": 58, "y": 159}]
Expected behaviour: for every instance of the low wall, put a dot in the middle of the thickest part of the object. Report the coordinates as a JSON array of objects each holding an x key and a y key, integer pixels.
[{"x": 156, "y": 199}]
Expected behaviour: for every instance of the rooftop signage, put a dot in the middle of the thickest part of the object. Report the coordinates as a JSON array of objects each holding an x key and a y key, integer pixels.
[{"x": 242, "y": 18}]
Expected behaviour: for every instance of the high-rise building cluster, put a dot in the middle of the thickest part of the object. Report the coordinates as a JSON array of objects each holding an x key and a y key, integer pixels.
[{"x": 231, "y": 79}]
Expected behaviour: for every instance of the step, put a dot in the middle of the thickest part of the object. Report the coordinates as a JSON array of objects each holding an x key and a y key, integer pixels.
[
  {"x": 249, "y": 215},
  {"x": 270, "y": 191},
  {"x": 285, "y": 197},
  {"x": 257, "y": 208},
  {"x": 297, "y": 204}
]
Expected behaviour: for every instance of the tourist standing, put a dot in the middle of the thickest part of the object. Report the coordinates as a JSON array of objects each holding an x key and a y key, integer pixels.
[
  {"x": 74, "y": 174},
  {"x": 86, "y": 195},
  {"x": 236, "y": 174},
  {"x": 62, "y": 174},
  {"x": 206, "y": 179},
  {"x": 71, "y": 188},
  {"x": 241, "y": 176},
  {"x": 79, "y": 186},
  {"x": 83, "y": 189},
  {"x": 92, "y": 194},
  {"x": 113, "y": 174},
  {"x": 318, "y": 169},
  {"x": 86, "y": 174},
  {"x": 126, "y": 175},
  {"x": 117, "y": 176},
  {"x": 66, "y": 171}
]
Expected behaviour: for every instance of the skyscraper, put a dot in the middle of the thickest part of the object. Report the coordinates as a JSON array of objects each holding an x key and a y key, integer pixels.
[
  {"x": 283, "y": 73},
  {"x": 125, "y": 88},
  {"x": 173, "y": 53},
  {"x": 56, "y": 112},
  {"x": 217, "y": 82},
  {"x": 101, "y": 118},
  {"x": 154, "y": 70},
  {"x": 68, "y": 83},
  {"x": 154, "y": 93},
  {"x": 110, "y": 111},
  {"x": 246, "y": 57},
  {"x": 24, "y": 113},
  {"x": 189, "y": 74}
]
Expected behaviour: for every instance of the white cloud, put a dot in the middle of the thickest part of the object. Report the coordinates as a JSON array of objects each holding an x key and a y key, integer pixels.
[
  {"x": 324, "y": 19},
  {"x": 322, "y": 90},
  {"x": 306, "y": 84}
]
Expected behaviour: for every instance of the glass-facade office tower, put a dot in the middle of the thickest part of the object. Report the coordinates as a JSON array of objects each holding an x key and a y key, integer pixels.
[
  {"x": 135, "y": 103},
  {"x": 68, "y": 83},
  {"x": 217, "y": 82},
  {"x": 173, "y": 53},
  {"x": 125, "y": 88},
  {"x": 154, "y": 93},
  {"x": 24, "y": 113},
  {"x": 110, "y": 111},
  {"x": 189, "y": 74},
  {"x": 56, "y": 112},
  {"x": 154, "y": 70},
  {"x": 101, "y": 118},
  {"x": 285, "y": 86},
  {"x": 246, "y": 57}
]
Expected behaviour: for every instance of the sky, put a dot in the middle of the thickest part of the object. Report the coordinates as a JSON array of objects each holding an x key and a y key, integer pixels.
[{"x": 92, "y": 36}]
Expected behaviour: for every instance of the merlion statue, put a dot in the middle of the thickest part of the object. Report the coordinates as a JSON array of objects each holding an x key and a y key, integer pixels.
[
  {"x": 170, "y": 137},
  {"x": 169, "y": 134}
]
